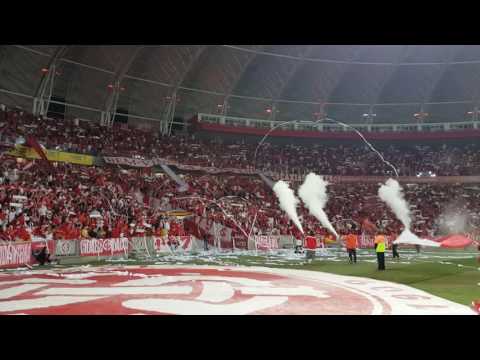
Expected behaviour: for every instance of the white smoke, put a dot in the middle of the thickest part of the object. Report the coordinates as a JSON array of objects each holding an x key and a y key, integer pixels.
[
  {"x": 407, "y": 237},
  {"x": 288, "y": 201},
  {"x": 313, "y": 193},
  {"x": 454, "y": 219},
  {"x": 391, "y": 193}
]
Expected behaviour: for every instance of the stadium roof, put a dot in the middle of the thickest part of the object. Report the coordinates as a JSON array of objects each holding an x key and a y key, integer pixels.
[{"x": 394, "y": 82}]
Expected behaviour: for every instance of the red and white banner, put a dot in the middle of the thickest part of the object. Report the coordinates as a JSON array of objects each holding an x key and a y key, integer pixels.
[
  {"x": 103, "y": 247},
  {"x": 161, "y": 161},
  {"x": 15, "y": 254},
  {"x": 292, "y": 176},
  {"x": 240, "y": 241},
  {"x": 168, "y": 243},
  {"x": 266, "y": 242}
]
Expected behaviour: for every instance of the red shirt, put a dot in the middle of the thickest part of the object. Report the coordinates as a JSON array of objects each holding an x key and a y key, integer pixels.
[
  {"x": 116, "y": 231},
  {"x": 23, "y": 234},
  {"x": 311, "y": 242}
]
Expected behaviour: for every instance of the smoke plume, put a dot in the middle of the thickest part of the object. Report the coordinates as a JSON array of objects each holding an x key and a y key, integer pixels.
[
  {"x": 407, "y": 237},
  {"x": 454, "y": 219},
  {"x": 313, "y": 193},
  {"x": 288, "y": 201},
  {"x": 391, "y": 193}
]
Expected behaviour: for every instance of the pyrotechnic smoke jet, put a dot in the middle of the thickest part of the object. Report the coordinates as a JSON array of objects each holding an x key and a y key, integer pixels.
[
  {"x": 391, "y": 193},
  {"x": 288, "y": 201},
  {"x": 407, "y": 237},
  {"x": 313, "y": 193}
]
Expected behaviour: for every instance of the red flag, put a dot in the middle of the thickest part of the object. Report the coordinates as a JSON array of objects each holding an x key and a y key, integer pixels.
[{"x": 33, "y": 143}]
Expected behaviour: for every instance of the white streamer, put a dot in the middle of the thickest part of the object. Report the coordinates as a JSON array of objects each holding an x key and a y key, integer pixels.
[{"x": 334, "y": 121}]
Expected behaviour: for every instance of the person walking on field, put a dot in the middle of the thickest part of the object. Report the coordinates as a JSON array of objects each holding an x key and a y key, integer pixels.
[
  {"x": 351, "y": 241},
  {"x": 205, "y": 242},
  {"x": 395, "y": 253},
  {"x": 380, "y": 250},
  {"x": 311, "y": 244}
]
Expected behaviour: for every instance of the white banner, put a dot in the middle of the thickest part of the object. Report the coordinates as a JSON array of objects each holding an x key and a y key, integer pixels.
[
  {"x": 222, "y": 235},
  {"x": 65, "y": 247},
  {"x": 266, "y": 242}
]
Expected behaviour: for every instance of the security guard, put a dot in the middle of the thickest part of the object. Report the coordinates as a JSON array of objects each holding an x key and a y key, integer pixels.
[{"x": 380, "y": 250}]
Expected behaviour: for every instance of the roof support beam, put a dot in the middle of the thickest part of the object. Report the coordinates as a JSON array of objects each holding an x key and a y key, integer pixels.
[
  {"x": 338, "y": 80},
  {"x": 439, "y": 76},
  {"x": 44, "y": 91},
  {"x": 171, "y": 103},
  {"x": 233, "y": 86},
  {"x": 294, "y": 71},
  {"x": 111, "y": 102},
  {"x": 407, "y": 50},
  {"x": 290, "y": 76}
]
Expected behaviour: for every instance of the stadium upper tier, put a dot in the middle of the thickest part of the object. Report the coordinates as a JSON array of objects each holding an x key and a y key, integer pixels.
[
  {"x": 330, "y": 129},
  {"x": 410, "y": 159}
]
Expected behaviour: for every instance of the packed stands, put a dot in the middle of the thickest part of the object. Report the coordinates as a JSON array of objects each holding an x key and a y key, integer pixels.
[{"x": 65, "y": 201}]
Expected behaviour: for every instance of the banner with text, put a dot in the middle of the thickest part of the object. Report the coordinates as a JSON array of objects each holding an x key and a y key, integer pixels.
[
  {"x": 15, "y": 254},
  {"x": 103, "y": 247},
  {"x": 266, "y": 242}
]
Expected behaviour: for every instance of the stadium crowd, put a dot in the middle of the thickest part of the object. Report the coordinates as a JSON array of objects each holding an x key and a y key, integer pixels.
[
  {"x": 65, "y": 201},
  {"x": 90, "y": 138}
]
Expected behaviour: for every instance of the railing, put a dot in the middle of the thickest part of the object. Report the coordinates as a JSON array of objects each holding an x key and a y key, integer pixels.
[{"x": 305, "y": 125}]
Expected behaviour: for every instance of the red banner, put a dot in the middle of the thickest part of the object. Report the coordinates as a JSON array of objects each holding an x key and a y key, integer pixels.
[
  {"x": 15, "y": 254},
  {"x": 103, "y": 247},
  {"x": 240, "y": 242}
]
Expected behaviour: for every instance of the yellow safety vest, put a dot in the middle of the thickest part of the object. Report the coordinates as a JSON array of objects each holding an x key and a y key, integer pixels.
[{"x": 381, "y": 247}]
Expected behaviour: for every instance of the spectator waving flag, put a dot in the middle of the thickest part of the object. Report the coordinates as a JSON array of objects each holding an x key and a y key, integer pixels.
[{"x": 33, "y": 143}]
